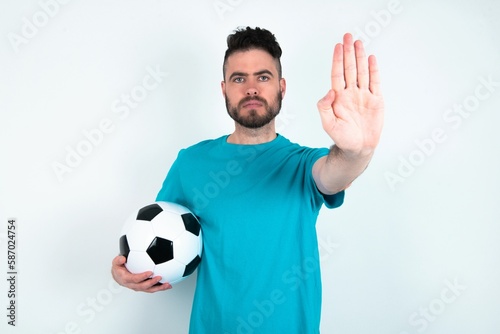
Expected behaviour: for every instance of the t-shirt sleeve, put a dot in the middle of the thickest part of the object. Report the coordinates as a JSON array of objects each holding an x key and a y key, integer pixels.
[
  {"x": 330, "y": 201},
  {"x": 335, "y": 200},
  {"x": 171, "y": 190}
]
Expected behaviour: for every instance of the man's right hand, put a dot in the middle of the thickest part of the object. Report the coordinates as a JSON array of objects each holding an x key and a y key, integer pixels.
[{"x": 137, "y": 282}]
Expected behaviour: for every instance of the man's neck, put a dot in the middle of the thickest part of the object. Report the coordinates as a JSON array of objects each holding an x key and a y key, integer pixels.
[{"x": 246, "y": 136}]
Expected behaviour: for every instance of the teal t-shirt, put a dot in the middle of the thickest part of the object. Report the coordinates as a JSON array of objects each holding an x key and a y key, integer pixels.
[{"x": 257, "y": 206}]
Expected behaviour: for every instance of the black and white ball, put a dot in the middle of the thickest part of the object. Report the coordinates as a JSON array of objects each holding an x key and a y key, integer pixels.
[{"x": 164, "y": 238}]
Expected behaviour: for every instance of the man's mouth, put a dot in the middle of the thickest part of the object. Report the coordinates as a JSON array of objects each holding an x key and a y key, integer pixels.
[{"x": 252, "y": 104}]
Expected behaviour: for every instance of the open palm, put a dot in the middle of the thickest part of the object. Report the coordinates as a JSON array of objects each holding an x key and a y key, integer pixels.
[{"x": 352, "y": 111}]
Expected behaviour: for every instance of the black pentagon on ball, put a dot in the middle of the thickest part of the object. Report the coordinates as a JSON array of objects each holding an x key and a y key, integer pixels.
[
  {"x": 192, "y": 266},
  {"x": 191, "y": 223},
  {"x": 124, "y": 247},
  {"x": 161, "y": 250},
  {"x": 147, "y": 213}
]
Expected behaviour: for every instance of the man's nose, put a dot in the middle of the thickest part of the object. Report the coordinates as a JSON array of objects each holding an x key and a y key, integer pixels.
[{"x": 252, "y": 91}]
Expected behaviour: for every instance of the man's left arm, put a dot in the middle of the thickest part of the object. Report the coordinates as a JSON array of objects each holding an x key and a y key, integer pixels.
[{"x": 352, "y": 115}]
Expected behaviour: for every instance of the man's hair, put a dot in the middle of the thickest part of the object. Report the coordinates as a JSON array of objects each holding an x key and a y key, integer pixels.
[{"x": 245, "y": 39}]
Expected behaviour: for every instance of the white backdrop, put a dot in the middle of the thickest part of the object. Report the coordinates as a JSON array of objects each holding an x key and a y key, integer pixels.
[{"x": 97, "y": 97}]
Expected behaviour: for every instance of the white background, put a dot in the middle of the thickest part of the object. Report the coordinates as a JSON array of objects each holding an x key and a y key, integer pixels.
[{"x": 389, "y": 253}]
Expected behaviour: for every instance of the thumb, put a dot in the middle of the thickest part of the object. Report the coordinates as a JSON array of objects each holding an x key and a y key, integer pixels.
[
  {"x": 326, "y": 110},
  {"x": 119, "y": 260},
  {"x": 325, "y": 104}
]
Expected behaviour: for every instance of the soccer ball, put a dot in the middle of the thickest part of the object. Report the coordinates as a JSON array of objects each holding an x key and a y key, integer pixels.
[{"x": 164, "y": 238}]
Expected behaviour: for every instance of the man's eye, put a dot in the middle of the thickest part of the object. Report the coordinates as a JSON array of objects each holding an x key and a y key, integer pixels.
[
  {"x": 264, "y": 78},
  {"x": 239, "y": 80}
]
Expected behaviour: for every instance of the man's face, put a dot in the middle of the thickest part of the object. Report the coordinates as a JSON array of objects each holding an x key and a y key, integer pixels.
[{"x": 252, "y": 88}]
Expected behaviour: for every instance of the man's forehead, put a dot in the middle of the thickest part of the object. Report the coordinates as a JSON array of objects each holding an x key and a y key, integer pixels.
[{"x": 251, "y": 60}]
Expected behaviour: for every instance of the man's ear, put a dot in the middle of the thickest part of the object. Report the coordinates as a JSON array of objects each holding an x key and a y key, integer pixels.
[
  {"x": 283, "y": 87},
  {"x": 223, "y": 88}
]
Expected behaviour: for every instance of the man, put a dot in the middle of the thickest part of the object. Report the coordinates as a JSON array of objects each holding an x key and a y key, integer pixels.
[{"x": 258, "y": 195}]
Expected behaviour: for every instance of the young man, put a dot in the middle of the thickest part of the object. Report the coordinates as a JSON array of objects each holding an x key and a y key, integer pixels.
[{"x": 258, "y": 195}]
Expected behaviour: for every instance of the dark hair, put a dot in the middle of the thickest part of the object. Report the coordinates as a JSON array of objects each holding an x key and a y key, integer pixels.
[{"x": 245, "y": 39}]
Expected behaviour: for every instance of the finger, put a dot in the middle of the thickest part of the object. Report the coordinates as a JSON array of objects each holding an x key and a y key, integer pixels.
[
  {"x": 148, "y": 283},
  {"x": 349, "y": 61},
  {"x": 137, "y": 284},
  {"x": 152, "y": 285},
  {"x": 118, "y": 270},
  {"x": 140, "y": 278},
  {"x": 158, "y": 286},
  {"x": 337, "y": 75},
  {"x": 361, "y": 65},
  {"x": 161, "y": 287},
  {"x": 119, "y": 260},
  {"x": 374, "y": 75}
]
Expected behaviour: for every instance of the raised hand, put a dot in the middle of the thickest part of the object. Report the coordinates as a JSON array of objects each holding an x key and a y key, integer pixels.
[{"x": 352, "y": 111}]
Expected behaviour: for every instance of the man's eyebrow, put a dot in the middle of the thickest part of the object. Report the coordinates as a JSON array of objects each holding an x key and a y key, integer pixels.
[
  {"x": 242, "y": 74},
  {"x": 263, "y": 72},
  {"x": 238, "y": 74}
]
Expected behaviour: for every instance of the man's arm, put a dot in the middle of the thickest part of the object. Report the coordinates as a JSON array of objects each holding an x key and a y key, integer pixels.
[{"x": 352, "y": 115}]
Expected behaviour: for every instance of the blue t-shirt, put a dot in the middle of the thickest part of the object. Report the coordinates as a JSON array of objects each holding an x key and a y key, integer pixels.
[{"x": 257, "y": 206}]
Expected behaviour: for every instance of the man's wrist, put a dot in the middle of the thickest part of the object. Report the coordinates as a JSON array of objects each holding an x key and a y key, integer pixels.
[{"x": 349, "y": 155}]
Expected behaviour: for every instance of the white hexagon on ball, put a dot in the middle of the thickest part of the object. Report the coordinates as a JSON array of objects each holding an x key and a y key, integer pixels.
[
  {"x": 170, "y": 272},
  {"x": 139, "y": 262}
]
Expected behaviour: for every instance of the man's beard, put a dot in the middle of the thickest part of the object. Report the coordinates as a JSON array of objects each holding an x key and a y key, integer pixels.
[{"x": 253, "y": 120}]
